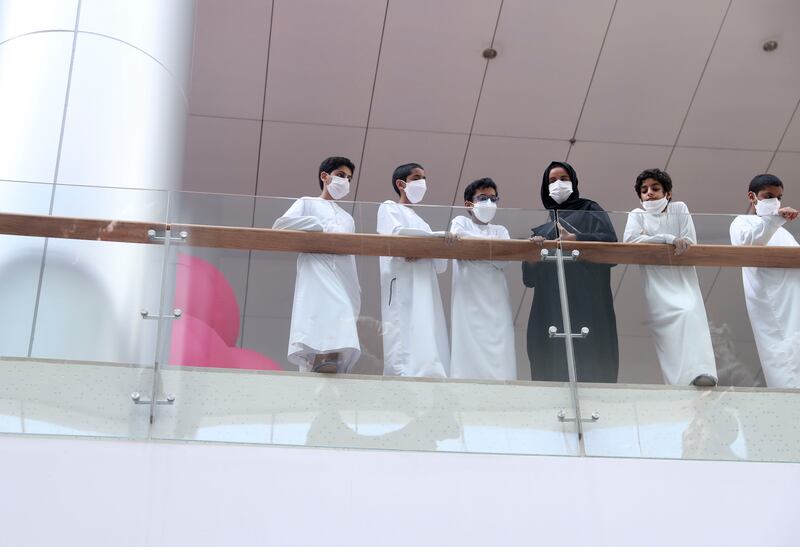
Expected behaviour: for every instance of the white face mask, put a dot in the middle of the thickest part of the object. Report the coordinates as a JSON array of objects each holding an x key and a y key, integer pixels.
[
  {"x": 767, "y": 207},
  {"x": 484, "y": 211},
  {"x": 560, "y": 190},
  {"x": 415, "y": 190},
  {"x": 655, "y": 205},
  {"x": 338, "y": 187}
]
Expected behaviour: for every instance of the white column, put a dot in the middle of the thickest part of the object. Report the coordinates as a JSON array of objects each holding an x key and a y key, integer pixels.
[{"x": 92, "y": 93}]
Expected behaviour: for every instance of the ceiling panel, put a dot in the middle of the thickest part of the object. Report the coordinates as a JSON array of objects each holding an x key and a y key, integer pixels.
[
  {"x": 629, "y": 305},
  {"x": 515, "y": 164},
  {"x": 221, "y": 155},
  {"x": 607, "y": 172},
  {"x": 638, "y": 362},
  {"x": 715, "y": 181},
  {"x": 522, "y": 307},
  {"x": 643, "y": 85},
  {"x": 230, "y": 58},
  {"x": 537, "y": 83},
  {"x": 517, "y": 292},
  {"x": 270, "y": 290},
  {"x": 726, "y": 307},
  {"x": 431, "y": 66},
  {"x": 791, "y": 141},
  {"x": 269, "y": 336},
  {"x": 322, "y": 60},
  {"x": 441, "y": 154},
  {"x": 291, "y": 154},
  {"x": 786, "y": 166},
  {"x": 747, "y": 95}
]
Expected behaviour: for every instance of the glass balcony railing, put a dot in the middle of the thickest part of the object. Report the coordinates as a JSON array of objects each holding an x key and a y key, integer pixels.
[{"x": 167, "y": 315}]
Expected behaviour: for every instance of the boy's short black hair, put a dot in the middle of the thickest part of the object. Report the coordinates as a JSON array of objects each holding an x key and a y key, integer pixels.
[
  {"x": 331, "y": 164},
  {"x": 402, "y": 172},
  {"x": 657, "y": 175},
  {"x": 760, "y": 182},
  {"x": 474, "y": 186}
]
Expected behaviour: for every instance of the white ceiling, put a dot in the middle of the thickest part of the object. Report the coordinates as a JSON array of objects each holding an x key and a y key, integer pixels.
[
  {"x": 404, "y": 80},
  {"x": 677, "y": 84}
]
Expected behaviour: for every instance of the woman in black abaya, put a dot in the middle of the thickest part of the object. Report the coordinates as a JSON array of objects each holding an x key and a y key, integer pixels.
[{"x": 572, "y": 218}]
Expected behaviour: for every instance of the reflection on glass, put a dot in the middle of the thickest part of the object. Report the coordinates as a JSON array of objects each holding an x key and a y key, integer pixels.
[
  {"x": 713, "y": 432},
  {"x": 423, "y": 428}
]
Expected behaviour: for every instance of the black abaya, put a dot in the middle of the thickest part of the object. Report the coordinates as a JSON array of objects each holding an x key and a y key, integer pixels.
[{"x": 588, "y": 289}]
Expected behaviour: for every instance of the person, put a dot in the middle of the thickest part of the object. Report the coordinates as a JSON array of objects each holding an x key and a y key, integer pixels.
[
  {"x": 482, "y": 322},
  {"x": 772, "y": 295},
  {"x": 327, "y": 297},
  {"x": 572, "y": 218},
  {"x": 414, "y": 330},
  {"x": 678, "y": 318}
]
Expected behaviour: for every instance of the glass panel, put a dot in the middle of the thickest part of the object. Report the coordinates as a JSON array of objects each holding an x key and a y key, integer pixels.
[
  {"x": 680, "y": 325},
  {"x": 228, "y": 367},
  {"x": 89, "y": 346},
  {"x": 20, "y": 265}
]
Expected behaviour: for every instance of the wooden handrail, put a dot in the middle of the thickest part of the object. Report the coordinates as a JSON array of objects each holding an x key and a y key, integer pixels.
[{"x": 261, "y": 239}]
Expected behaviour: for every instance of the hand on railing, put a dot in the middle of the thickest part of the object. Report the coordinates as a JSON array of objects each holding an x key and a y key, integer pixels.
[
  {"x": 681, "y": 245},
  {"x": 564, "y": 234}
]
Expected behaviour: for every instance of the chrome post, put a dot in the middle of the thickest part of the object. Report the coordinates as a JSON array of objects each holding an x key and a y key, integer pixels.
[
  {"x": 161, "y": 303},
  {"x": 567, "y": 335},
  {"x": 176, "y": 314},
  {"x": 152, "y": 235},
  {"x": 562, "y": 417},
  {"x": 137, "y": 399}
]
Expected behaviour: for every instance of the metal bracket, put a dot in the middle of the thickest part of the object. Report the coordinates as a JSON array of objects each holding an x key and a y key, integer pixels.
[
  {"x": 562, "y": 417},
  {"x": 137, "y": 399},
  {"x": 176, "y": 314},
  {"x": 152, "y": 235},
  {"x": 553, "y": 333},
  {"x": 546, "y": 257}
]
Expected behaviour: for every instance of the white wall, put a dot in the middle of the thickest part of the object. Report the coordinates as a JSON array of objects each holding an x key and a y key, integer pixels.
[{"x": 93, "y": 492}]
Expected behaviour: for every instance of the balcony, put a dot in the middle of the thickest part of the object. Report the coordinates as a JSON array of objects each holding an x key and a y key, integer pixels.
[{"x": 165, "y": 315}]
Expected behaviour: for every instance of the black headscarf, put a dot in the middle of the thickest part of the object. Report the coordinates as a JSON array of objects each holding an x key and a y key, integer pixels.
[
  {"x": 574, "y": 200},
  {"x": 590, "y": 226}
]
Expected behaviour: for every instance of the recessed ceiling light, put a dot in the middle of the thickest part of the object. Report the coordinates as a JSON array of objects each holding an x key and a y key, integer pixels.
[
  {"x": 489, "y": 53},
  {"x": 770, "y": 45}
]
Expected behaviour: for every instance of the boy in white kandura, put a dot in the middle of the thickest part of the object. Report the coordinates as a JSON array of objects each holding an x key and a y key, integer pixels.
[
  {"x": 482, "y": 323},
  {"x": 327, "y": 296},
  {"x": 413, "y": 323},
  {"x": 772, "y": 294},
  {"x": 678, "y": 318}
]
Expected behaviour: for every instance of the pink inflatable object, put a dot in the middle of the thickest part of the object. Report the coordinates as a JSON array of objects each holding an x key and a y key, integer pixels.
[
  {"x": 203, "y": 292},
  {"x": 206, "y": 333}
]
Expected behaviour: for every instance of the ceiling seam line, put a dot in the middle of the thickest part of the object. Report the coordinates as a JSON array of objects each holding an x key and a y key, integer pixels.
[
  {"x": 591, "y": 80},
  {"x": 258, "y": 173},
  {"x": 474, "y": 115},
  {"x": 783, "y": 136},
  {"x": 360, "y": 165},
  {"x": 711, "y": 287},
  {"x": 519, "y": 306},
  {"x": 263, "y": 105},
  {"x": 619, "y": 285},
  {"x": 699, "y": 82}
]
